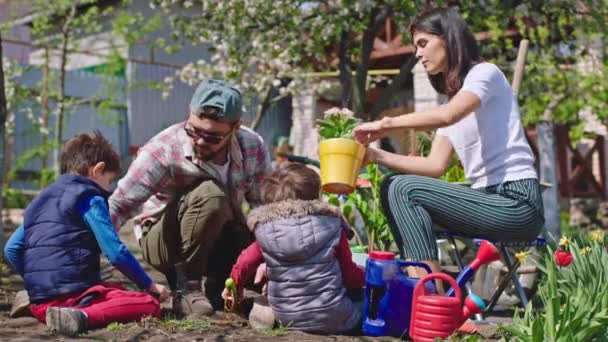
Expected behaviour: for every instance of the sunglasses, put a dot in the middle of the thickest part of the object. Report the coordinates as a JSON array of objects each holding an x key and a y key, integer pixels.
[{"x": 208, "y": 138}]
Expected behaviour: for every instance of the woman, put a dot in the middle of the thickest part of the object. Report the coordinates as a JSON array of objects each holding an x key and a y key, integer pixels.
[{"x": 481, "y": 123}]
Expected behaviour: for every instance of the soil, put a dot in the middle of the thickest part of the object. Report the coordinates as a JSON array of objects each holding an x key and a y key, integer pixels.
[{"x": 220, "y": 327}]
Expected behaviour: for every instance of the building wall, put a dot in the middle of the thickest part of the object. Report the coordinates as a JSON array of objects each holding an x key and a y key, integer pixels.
[
  {"x": 149, "y": 112},
  {"x": 83, "y": 118},
  {"x": 10, "y": 46}
]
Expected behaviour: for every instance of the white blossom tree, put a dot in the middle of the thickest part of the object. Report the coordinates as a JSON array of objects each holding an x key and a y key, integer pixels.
[{"x": 275, "y": 45}]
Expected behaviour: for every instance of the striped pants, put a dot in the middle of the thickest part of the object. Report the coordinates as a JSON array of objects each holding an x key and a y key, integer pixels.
[{"x": 510, "y": 211}]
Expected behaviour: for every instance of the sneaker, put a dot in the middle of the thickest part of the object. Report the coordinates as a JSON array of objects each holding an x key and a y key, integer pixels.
[
  {"x": 66, "y": 321},
  {"x": 261, "y": 316},
  {"x": 21, "y": 305}
]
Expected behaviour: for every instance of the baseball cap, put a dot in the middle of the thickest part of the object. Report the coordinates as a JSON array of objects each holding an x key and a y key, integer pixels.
[{"x": 217, "y": 99}]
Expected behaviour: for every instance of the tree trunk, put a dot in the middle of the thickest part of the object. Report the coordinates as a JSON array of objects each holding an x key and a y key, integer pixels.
[
  {"x": 405, "y": 74},
  {"x": 45, "y": 113},
  {"x": 344, "y": 69},
  {"x": 3, "y": 115},
  {"x": 65, "y": 36},
  {"x": 377, "y": 19}
]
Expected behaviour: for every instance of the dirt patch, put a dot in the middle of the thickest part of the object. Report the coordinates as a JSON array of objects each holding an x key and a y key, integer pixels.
[{"x": 220, "y": 327}]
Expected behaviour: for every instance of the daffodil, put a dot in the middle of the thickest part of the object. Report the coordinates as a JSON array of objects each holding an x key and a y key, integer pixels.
[
  {"x": 597, "y": 235},
  {"x": 521, "y": 257},
  {"x": 564, "y": 242},
  {"x": 585, "y": 251}
]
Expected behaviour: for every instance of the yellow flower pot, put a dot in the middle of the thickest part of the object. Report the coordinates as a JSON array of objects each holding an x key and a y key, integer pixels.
[{"x": 341, "y": 161}]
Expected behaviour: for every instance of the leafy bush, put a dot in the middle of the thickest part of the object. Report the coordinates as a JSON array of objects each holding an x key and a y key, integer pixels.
[
  {"x": 15, "y": 199},
  {"x": 366, "y": 200}
]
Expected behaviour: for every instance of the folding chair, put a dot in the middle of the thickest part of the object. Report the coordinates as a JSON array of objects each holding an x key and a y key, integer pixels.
[{"x": 511, "y": 264}]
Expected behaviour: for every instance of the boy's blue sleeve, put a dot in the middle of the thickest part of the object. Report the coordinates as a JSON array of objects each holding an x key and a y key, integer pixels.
[
  {"x": 95, "y": 212},
  {"x": 14, "y": 250}
]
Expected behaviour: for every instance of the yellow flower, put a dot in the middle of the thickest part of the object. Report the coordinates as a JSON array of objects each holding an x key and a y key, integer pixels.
[
  {"x": 521, "y": 257},
  {"x": 585, "y": 251},
  {"x": 564, "y": 242},
  {"x": 597, "y": 235}
]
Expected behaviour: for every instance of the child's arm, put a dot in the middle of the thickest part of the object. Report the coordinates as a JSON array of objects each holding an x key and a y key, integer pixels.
[
  {"x": 15, "y": 249},
  {"x": 245, "y": 266},
  {"x": 95, "y": 213},
  {"x": 352, "y": 275}
]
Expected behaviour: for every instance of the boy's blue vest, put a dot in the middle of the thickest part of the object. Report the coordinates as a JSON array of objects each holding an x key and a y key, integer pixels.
[{"x": 61, "y": 252}]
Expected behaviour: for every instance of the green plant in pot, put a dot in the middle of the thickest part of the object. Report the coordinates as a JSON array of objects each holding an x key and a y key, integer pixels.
[{"x": 340, "y": 155}]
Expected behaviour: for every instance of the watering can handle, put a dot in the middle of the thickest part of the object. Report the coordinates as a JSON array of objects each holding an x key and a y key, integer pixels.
[
  {"x": 415, "y": 263},
  {"x": 419, "y": 289}
]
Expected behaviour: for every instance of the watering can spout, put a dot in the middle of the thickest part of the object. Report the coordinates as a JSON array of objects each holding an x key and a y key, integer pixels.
[
  {"x": 473, "y": 305},
  {"x": 486, "y": 254}
]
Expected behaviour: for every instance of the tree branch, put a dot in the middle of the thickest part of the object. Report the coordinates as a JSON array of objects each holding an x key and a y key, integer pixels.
[
  {"x": 262, "y": 107},
  {"x": 405, "y": 73},
  {"x": 377, "y": 19},
  {"x": 65, "y": 33}
]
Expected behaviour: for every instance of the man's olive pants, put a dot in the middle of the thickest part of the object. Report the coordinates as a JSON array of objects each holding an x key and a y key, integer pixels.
[{"x": 200, "y": 228}]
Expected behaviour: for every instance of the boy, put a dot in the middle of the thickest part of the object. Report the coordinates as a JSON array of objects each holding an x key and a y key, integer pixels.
[{"x": 57, "y": 248}]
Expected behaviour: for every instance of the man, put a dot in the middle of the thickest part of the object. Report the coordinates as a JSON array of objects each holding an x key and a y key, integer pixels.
[{"x": 187, "y": 186}]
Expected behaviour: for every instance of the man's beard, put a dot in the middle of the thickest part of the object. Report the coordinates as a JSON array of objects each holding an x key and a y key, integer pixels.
[{"x": 204, "y": 153}]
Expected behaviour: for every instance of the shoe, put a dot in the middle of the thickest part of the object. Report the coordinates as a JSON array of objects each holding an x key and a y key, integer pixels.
[
  {"x": 213, "y": 291},
  {"x": 66, "y": 321},
  {"x": 21, "y": 305},
  {"x": 191, "y": 302},
  {"x": 261, "y": 316}
]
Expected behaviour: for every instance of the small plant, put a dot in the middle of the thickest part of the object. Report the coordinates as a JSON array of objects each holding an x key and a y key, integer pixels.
[
  {"x": 574, "y": 297},
  {"x": 337, "y": 123},
  {"x": 367, "y": 202},
  {"x": 280, "y": 330}
]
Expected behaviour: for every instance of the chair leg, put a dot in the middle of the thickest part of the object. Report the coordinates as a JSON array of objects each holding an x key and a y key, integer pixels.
[
  {"x": 455, "y": 252},
  {"x": 500, "y": 289},
  {"x": 479, "y": 316},
  {"x": 512, "y": 270}
]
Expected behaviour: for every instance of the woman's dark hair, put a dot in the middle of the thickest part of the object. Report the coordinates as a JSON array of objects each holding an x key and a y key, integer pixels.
[{"x": 462, "y": 49}]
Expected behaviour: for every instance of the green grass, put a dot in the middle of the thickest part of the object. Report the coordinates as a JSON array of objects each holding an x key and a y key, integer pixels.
[
  {"x": 276, "y": 332},
  {"x": 464, "y": 338},
  {"x": 117, "y": 326},
  {"x": 172, "y": 324}
]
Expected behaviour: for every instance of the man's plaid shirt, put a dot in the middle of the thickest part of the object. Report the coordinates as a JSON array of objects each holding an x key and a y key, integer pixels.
[{"x": 166, "y": 165}]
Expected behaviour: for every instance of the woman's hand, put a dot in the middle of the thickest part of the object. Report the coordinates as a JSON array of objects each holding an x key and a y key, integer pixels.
[
  {"x": 369, "y": 132},
  {"x": 160, "y": 291},
  {"x": 371, "y": 156}
]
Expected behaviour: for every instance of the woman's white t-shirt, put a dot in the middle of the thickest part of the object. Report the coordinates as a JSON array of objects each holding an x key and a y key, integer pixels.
[{"x": 490, "y": 142}]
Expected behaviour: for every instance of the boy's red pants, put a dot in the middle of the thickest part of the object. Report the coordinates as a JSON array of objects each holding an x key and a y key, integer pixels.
[{"x": 107, "y": 303}]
